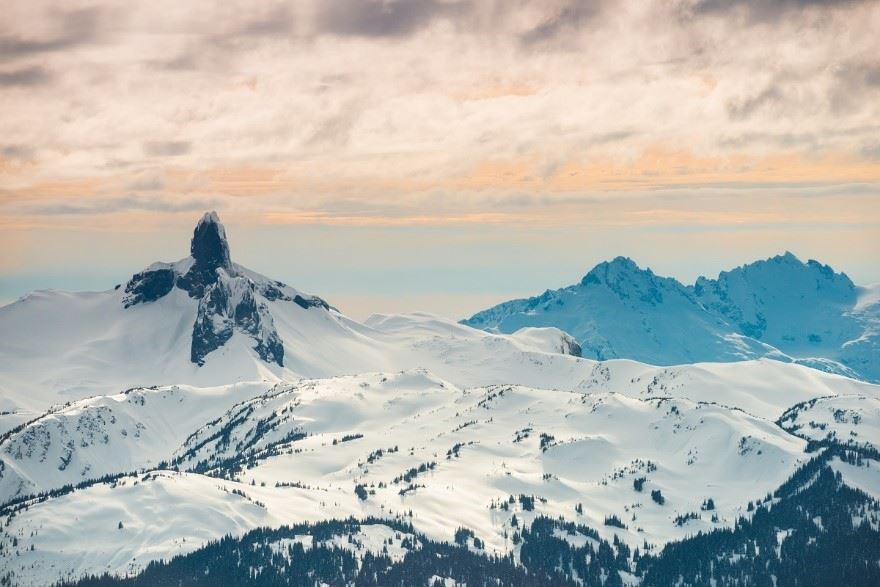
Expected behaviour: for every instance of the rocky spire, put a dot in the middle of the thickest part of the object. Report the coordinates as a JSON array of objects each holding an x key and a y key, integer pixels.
[
  {"x": 209, "y": 247},
  {"x": 229, "y": 300},
  {"x": 210, "y": 252}
]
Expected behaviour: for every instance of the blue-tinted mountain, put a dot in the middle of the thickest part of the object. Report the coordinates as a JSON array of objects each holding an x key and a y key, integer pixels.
[{"x": 780, "y": 308}]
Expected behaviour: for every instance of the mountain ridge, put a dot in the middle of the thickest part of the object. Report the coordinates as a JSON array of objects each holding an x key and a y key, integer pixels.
[{"x": 780, "y": 308}]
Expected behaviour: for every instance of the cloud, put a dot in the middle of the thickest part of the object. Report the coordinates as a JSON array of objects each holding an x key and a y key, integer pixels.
[
  {"x": 17, "y": 152},
  {"x": 126, "y": 203},
  {"x": 571, "y": 15},
  {"x": 166, "y": 148},
  {"x": 147, "y": 182},
  {"x": 381, "y": 18},
  {"x": 27, "y": 76},
  {"x": 306, "y": 103},
  {"x": 746, "y": 107},
  {"x": 336, "y": 130},
  {"x": 77, "y": 28},
  {"x": 278, "y": 22},
  {"x": 768, "y": 10},
  {"x": 854, "y": 86}
]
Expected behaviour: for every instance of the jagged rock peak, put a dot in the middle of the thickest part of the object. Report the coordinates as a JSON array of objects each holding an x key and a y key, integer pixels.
[
  {"x": 615, "y": 266},
  {"x": 230, "y": 297},
  {"x": 615, "y": 270},
  {"x": 209, "y": 247}
]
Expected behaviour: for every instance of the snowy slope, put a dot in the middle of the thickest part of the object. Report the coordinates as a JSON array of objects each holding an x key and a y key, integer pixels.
[
  {"x": 480, "y": 446},
  {"x": 98, "y": 347},
  {"x": 779, "y": 308},
  {"x": 104, "y": 435},
  {"x": 163, "y": 514},
  {"x": 145, "y": 426},
  {"x": 846, "y": 419},
  {"x": 799, "y": 308},
  {"x": 419, "y": 443}
]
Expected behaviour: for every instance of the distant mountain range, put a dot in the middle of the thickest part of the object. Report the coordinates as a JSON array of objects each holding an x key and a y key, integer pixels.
[{"x": 779, "y": 308}]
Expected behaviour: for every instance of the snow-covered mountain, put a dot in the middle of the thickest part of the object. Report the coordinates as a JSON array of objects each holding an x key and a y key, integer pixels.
[
  {"x": 412, "y": 449},
  {"x": 780, "y": 308},
  {"x": 207, "y": 321}
]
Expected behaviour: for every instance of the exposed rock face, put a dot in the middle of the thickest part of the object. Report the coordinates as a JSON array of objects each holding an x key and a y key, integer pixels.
[
  {"x": 149, "y": 286},
  {"x": 231, "y": 298},
  {"x": 570, "y": 346},
  {"x": 210, "y": 252},
  {"x": 229, "y": 304}
]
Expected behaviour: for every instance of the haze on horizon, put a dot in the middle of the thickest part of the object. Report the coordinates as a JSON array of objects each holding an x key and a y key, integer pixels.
[{"x": 441, "y": 155}]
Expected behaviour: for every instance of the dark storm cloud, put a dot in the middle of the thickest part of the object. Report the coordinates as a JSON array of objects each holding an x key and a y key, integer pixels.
[
  {"x": 166, "y": 148},
  {"x": 382, "y": 18},
  {"x": 77, "y": 28},
  {"x": 28, "y": 76}
]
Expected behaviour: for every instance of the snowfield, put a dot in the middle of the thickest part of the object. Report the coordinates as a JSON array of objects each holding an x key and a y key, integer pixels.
[{"x": 418, "y": 446}]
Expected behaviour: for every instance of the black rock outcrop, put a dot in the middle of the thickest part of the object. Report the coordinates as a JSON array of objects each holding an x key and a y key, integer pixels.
[
  {"x": 149, "y": 286},
  {"x": 210, "y": 252},
  {"x": 231, "y": 299}
]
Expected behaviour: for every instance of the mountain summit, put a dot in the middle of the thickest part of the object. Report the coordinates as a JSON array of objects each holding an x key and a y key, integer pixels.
[
  {"x": 231, "y": 298},
  {"x": 780, "y": 308},
  {"x": 209, "y": 246},
  {"x": 210, "y": 251}
]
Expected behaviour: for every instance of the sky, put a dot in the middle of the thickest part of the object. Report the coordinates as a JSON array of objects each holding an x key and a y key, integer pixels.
[{"x": 437, "y": 155}]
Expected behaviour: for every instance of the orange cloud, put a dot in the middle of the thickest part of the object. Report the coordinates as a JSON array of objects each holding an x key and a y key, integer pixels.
[
  {"x": 660, "y": 167},
  {"x": 310, "y": 192},
  {"x": 411, "y": 220},
  {"x": 488, "y": 91}
]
